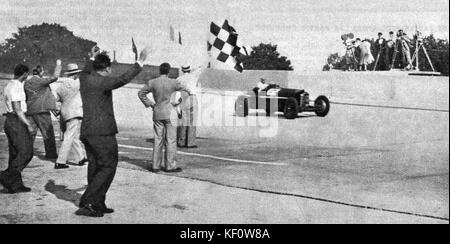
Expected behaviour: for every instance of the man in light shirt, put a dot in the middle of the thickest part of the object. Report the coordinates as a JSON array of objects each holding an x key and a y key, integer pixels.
[{"x": 18, "y": 131}]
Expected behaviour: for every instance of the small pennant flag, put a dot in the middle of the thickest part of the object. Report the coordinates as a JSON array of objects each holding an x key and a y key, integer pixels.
[
  {"x": 134, "y": 48},
  {"x": 172, "y": 34},
  {"x": 179, "y": 39}
]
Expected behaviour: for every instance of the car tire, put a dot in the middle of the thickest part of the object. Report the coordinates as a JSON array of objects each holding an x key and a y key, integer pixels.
[
  {"x": 241, "y": 106},
  {"x": 291, "y": 108},
  {"x": 322, "y": 106}
]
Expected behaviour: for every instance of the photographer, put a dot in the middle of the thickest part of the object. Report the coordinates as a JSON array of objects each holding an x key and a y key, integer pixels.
[
  {"x": 382, "y": 60},
  {"x": 405, "y": 44},
  {"x": 390, "y": 49}
]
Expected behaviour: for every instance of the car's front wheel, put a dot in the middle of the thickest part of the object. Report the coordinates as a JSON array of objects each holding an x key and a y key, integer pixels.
[
  {"x": 291, "y": 108},
  {"x": 322, "y": 106},
  {"x": 241, "y": 106}
]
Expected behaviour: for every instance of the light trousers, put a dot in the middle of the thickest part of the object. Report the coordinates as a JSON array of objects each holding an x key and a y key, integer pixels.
[
  {"x": 165, "y": 138},
  {"x": 71, "y": 146}
]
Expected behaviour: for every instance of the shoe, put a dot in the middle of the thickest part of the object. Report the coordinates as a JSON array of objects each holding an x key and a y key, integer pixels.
[
  {"x": 191, "y": 147},
  {"x": 21, "y": 189},
  {"x": 175, "y": 170},
  {"x": 154, "y": 170},
  {"x": 107, "y": 210},
  {"x": 180, "y": 146},
  {"x": 83, "y": 162},
  {"x": 61, "y": 166},
  {"x": 89, "y": 211}
]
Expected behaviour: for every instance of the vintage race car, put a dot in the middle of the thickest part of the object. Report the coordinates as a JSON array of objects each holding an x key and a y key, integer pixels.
[{"x": 273, "y": 99}]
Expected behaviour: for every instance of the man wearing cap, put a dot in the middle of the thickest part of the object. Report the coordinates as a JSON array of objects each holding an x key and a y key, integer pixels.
[
  {"x": 41, "y": 102},
  {"x": 390, "y": 49},
  {"x": 68, "y": 94},
  {"x": 18, "y": 131},
  {"x": 187, "y": 130},
  {"x": 382, "y": 61},
  {"x": 262, "y": 85}
]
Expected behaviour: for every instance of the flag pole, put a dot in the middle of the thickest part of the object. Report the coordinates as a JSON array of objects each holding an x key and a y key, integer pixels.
[{"x": 134, "y": 48}]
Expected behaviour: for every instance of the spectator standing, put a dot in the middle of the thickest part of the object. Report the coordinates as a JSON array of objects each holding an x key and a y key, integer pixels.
[
  {"x": 68, "y": 94},
  {"x": 18, "y": 131},
  {"x": 41, "y": 102},
  {"x": 165, "y": 128}
]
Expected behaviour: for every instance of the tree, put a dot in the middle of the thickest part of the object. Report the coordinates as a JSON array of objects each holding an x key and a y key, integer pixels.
[
  {"x": 42, "y": 44},
  {"x": 334, "y": 61},
  {"x": 266, "y": 57}
]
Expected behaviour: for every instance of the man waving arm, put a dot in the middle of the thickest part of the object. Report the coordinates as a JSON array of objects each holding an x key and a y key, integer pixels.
[{"x": 128, "y": 76}]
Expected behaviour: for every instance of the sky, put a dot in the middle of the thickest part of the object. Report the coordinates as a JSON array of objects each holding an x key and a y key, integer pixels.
[{"x": 305, "y": 31}]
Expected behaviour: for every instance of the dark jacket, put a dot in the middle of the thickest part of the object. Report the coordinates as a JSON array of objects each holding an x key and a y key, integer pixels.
[
  {"x": 97, "y": 99},
  {"x": 40, "y": 98},
  {"x": 380, "y": 45}
]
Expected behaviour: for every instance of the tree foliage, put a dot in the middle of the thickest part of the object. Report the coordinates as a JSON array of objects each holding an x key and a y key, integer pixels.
[
  {"x": 266, "y": 57},
  {"x": 42, "y": 44}
]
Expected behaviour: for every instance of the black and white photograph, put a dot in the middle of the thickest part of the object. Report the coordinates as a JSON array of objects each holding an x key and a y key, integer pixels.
[{"x": 230, "y": 112}]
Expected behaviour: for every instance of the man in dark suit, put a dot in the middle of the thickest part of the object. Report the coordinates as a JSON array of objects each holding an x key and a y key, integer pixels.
[
  {"x": 41, "y": 102},
  {"x": 382, "y": 60},
  {"x": 390, "y": 49},
  {"x": 99, "y": 129}
]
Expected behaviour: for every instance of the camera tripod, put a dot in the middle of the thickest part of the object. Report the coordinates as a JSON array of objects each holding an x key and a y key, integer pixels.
[{"x": 415, "y": 57}]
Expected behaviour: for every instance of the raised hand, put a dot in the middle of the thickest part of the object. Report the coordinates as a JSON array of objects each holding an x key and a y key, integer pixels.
[
  {"x": 144, "y": 54},
  {"x": 94, "y": 52},
  {"x": 58, "y": 68}
]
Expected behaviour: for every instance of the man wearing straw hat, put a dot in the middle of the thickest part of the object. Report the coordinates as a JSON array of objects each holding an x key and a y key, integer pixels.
[
  {"x": 186, "y": 131},
  {"x": 68, "y": 94}
]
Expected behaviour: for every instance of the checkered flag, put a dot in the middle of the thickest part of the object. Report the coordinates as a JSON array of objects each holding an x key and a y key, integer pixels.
[{"x": 225, "y": 46}]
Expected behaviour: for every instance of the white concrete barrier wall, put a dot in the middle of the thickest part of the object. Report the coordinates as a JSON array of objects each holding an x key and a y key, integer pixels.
[
  {"x": 230, "y": 80},
  {"x": 384, "y": 89},
  {"x": 396, "y": 89}
]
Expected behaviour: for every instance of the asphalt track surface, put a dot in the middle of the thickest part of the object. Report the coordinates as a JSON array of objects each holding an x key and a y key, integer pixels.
[{"x": 391, "y": 160}]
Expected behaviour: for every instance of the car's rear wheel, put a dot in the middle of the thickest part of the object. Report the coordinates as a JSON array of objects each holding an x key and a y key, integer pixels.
[
  {"x": 241, "y": 106},
  {"x": 291, "y": 108},
  {"x": 322, "y": 106}
]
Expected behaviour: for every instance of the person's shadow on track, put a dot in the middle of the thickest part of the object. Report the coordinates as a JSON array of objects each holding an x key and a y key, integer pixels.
[
  {"x": 63, "y": 193},
  {"x": 279, "y": 116},
  {"x": 141, "y": 163}
]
